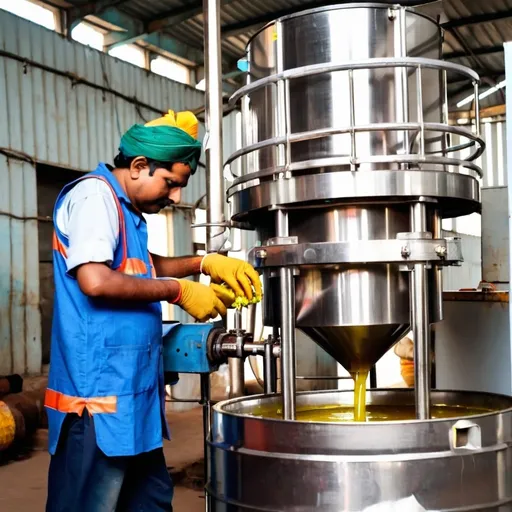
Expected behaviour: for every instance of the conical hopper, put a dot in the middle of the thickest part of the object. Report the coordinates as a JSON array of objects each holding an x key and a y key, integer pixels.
[
  {"x": 356, "y": 315},
  {"x": 357, "y": 346}
]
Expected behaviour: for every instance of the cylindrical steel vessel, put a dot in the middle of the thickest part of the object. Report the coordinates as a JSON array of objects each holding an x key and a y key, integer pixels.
[
  {"x": 352, "y": 87},
  {"x": 345, "y": 128},
  {"x": 459, "y": 464}
]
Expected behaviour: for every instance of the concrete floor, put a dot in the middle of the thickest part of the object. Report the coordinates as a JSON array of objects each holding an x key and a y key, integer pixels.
[{"x": 23, "y": 482}]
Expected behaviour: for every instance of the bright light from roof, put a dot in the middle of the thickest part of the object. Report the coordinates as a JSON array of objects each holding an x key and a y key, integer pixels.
[
  {"x": 129, "y": 53},
  {"x": 29, "y": 11},
  {"x": 87, "y": 35},
  {"x": 483, "y": 95},
  {"x": 171, "y": 69}
]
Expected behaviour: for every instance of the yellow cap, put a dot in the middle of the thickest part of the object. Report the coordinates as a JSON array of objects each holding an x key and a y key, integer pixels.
[{"x": 185, "y": 120}]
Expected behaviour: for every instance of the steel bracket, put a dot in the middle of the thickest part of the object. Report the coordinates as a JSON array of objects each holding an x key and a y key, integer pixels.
[{"x": 402, "y": 250}]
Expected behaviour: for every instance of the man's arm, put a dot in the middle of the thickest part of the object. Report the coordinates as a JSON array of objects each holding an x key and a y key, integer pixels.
[
  {"x": 99, "y": 281},
  {"x": 183, "y": 266},
  {"x": 90, "y": 220}
]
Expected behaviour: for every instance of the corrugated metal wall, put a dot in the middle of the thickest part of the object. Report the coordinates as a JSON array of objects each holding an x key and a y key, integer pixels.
[
  {"x": 65, "y": 105},
  {"x": 493, "y": 163},
  {"x": 469, "y": 274},
  {"x": 494, "y": 160},
  {"x": 20, "y": 319}
]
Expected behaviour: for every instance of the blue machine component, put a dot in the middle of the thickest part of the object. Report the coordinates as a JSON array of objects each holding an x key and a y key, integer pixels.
[{"x": 185, "y": 348}]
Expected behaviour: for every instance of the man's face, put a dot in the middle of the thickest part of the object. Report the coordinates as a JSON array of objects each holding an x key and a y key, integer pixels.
[{"x": 150, "y": 193}]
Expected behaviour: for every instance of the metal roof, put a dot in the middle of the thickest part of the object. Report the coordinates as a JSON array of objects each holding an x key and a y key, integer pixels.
[{"x": 474, "y": 29}]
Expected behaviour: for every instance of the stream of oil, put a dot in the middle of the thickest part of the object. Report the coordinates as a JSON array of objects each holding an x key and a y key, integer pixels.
[{"x": 360, "y": 377}]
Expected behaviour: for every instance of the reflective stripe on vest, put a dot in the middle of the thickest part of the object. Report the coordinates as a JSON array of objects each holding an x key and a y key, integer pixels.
[
  {"x": 76, "y": 404},
  {"x": 129, "y": 266}
]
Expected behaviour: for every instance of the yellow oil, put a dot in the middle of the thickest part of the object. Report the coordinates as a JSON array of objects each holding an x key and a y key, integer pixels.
[
  {"x": 360, "y": 377},
  {"x": 334, "y": 413}
]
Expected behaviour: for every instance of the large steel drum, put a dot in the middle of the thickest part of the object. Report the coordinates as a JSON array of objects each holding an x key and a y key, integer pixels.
[{"x": 459, "y": 464}]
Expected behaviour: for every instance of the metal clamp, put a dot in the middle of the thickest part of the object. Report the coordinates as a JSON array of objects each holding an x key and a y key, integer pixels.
[{"x": 426, "y": 250}]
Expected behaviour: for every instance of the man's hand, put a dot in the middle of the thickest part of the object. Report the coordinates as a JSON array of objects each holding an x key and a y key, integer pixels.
[
  {"x": 225, "y": 294},
  {"x": 237, "y": 274},
  {"x": 199, "y": 301},
  {"x": 230, "y": 300}
]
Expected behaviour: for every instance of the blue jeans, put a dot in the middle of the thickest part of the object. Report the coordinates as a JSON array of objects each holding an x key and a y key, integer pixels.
[{"x": 82, "y": 478}]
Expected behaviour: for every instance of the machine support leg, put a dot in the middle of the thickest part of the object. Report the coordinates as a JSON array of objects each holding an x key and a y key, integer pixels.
[
  {"x": 236, "y": 377},
  {"x": 205, "y": 399},
  {"x": 288, "y": 342},
  {"x": 420, "y": 322},
  {"x": 269, "y": 368},
  {"x": 236, "y": 367},
  {"x": 287, "y": 293}
]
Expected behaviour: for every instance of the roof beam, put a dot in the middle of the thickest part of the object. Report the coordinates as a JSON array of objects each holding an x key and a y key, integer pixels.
[
  {"x": 134, "y": 30},
  {"x": 494, "y": 111},
  {"x": 176, "y": 16},
  {"x": 482, "y": 73},
  {"x": 476, "y": 19},
  {"x": 171, "y": 18},
  {"x": 175, "y": 47},
  {"x": 474, "y": 51},
  {"x": 234, "y": 29},
  {"x": 77, "y": 13},
  {"x": 180, "y": 15}
]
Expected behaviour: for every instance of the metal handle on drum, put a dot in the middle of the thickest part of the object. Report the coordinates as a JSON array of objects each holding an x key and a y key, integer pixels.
[{"x": 465, "y": 435}]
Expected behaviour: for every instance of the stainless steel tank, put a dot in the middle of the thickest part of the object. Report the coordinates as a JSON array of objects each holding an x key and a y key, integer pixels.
[
  {"x": 345, "y": 129},
  {"x": 456, "y": 465},
  {"x": 347, "y": 172}
]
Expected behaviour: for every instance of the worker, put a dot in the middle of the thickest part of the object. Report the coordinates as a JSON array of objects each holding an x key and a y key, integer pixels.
[{"x": 105, "y": 396}]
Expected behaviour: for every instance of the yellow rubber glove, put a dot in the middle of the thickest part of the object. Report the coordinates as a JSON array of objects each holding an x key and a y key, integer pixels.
[
  {"x": 237, "y": 274},
  {"x": 230, "y": 300},
  {"x": 199, "y": 301},
  {"x": 225, "y": 294}
]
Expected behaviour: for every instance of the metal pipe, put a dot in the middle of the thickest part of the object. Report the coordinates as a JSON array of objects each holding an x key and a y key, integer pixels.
[
  {"x": 236, "y": 366},
  {"x": 477, "y": 109},
  {"x": 269, "y": 369},
  {"x": 205, "y": 399},
  {"x": 287, "y": 342},
  {"x": 282, "y": 228},
  {"x": 238, "y": 319},
  {"x": 251, "y": 320},
  {"x": 287, "y": 293},
  {"x": 213, "y": 121},
  {"x": 403, "y": 90},
  {"x": 437, "y": 233},
  {"x": 420, "y": 321},
  {"x": 236, "y": 377}
]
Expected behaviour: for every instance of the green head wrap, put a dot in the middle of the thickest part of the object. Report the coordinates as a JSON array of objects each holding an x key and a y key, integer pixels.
[{"x": 161, "y": 143}]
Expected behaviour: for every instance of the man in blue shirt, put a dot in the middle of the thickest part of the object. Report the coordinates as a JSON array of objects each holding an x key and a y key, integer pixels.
[{"x": 105, "y": 398}]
